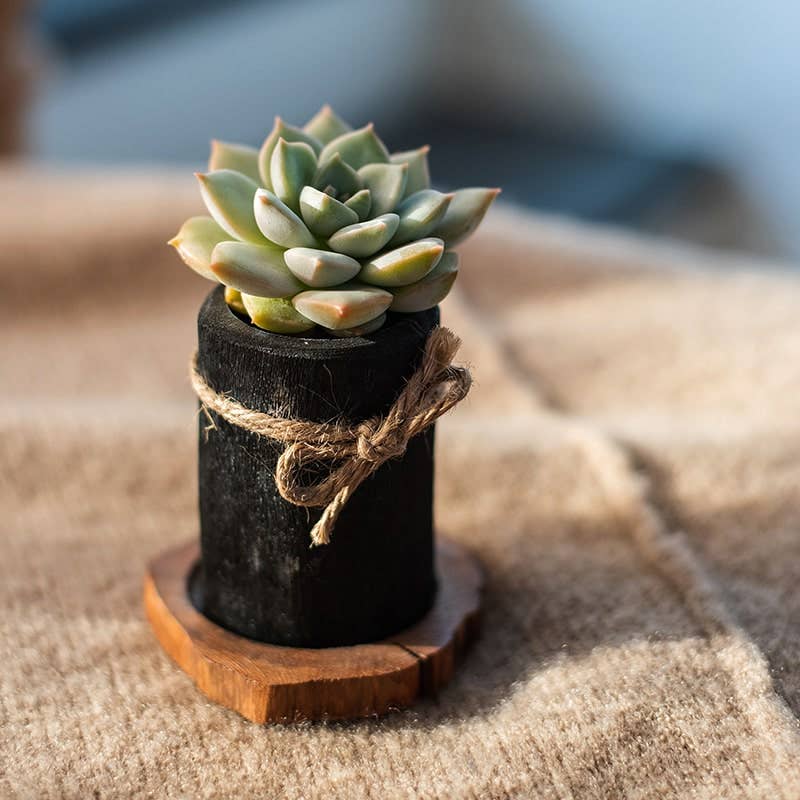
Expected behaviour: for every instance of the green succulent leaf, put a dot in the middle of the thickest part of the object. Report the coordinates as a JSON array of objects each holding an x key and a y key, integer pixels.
[
  {"x": 326, "y": 125},
  {"x": 233, "y": 297},
  {"x": 254, "y": 268},
  {"x": 275, "y": 315},
  {"x": 323, "y": 214},
  {"x": 281, "y": 131},
  {"x": 361, "y": 330},
  {"x": 430, "y": 290},
  {"x": 321, "y": 268},
  {"x": 346, "y": 307},
  {"x": 419, "y": 176},
  {"x": 323, "y": 226},
  {"x": 195, "y": 242},
  {"x": 386, "y": 183},
  {"x": 279, "y": 223},
  {"x": 239, "y": 157},
  {"x": 361, "y": 203},
  {"x": 365, "y": 238},
  {"x": 334, "y": 172},
  {"x": 468, "y": 208},
  {"x": 403, "y": 266},
  {"x": 419, "y": 215},
  {"x": 292, "y": 167},
  {"x": 357, "y": 148},
  {"x": 228, "y": 195}
]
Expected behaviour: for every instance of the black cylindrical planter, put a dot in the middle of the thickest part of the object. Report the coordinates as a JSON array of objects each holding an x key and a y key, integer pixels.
[{"x": 258, "y": 576}]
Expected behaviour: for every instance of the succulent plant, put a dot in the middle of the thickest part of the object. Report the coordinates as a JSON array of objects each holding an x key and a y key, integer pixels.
[{"x": 324, "y": 227}]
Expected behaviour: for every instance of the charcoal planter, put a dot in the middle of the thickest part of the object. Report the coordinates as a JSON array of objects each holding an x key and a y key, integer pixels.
[{"x": 258, "y": 575}]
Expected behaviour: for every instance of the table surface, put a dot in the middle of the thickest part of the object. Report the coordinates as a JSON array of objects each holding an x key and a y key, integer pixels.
[{"x": 626, "y": 468}]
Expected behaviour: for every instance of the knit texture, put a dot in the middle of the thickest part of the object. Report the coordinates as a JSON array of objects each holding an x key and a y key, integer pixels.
[{"x": 626, "y": 467}]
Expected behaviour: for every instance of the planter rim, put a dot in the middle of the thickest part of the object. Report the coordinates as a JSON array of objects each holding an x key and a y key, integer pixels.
[{"x": 243, "y": 334}]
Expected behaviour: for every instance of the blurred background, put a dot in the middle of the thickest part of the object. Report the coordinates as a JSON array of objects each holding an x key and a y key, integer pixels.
[{"x": 679, "y": 118}]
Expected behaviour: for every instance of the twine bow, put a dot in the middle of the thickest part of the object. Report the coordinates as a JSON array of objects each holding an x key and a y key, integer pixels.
[{"x": 348, "y": 454}]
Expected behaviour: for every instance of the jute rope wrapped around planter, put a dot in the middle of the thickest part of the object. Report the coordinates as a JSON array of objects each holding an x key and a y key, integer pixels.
[{"x": 349, "y": 454}]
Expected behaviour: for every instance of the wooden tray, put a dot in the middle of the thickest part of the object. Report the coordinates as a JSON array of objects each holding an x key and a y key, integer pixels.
[{"x": 269, "y": 683}]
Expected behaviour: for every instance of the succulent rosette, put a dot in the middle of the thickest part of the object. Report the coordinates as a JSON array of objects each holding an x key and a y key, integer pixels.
[{"x": 324, "y": 227}]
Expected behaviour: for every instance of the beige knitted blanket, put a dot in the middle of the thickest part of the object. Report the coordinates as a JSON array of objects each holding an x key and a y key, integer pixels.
[{"x": 627, "y": 467}]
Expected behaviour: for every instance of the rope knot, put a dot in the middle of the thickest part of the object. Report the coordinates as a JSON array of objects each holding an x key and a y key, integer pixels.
[
  {"x": 349, "y": 454},
  {"x": 376, "y": 446}
]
